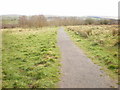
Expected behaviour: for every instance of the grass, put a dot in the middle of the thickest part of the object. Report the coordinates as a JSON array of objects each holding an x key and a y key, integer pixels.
[
  {"x": 30, "y": 58},
  {"x": 10, "y": 19},
  {"x": 99, "y": 43},
  {"x": 6, "y": 21}
]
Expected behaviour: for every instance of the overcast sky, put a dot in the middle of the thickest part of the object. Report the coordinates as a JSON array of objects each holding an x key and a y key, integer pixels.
[{"x": 60, "y": 7}]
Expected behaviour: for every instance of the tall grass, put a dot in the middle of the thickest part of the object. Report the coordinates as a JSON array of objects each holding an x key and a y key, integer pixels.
[{"x": 100, "y": 43}]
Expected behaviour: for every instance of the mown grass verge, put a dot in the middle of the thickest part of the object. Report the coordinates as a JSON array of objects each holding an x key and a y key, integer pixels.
[
  {"x": 30, "y": 58},
  {"x": 99, "y": 47}
]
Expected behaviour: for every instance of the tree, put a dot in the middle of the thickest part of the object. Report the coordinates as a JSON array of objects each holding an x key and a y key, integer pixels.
[
  {"x": 89, "y": 21},
  {"x": 23, "y": 22},
  {"x": 33, "y": 21}
]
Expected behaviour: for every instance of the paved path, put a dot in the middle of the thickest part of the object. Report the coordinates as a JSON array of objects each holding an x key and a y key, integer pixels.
[{"x": 78, "y": 71}]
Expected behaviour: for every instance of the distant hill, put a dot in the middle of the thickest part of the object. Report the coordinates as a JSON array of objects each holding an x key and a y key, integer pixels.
[
  {"x": 103, "y": 17},
  {"x": 10, "y": 19},
  {"x": 15, "y": 16}
]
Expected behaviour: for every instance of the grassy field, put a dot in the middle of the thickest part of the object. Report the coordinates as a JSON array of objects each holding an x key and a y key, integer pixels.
[
  {"x": 10, "y": 19},
  {"x": 100, "y": 43},
  {"x": 30, "y": 58}
]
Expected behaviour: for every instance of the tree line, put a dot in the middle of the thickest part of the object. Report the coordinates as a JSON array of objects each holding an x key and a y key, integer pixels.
[{"x": 42, "y": 21}]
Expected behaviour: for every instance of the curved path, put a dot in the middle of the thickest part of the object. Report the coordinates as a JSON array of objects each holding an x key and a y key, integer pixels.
[{"x": 78, "y": 71}]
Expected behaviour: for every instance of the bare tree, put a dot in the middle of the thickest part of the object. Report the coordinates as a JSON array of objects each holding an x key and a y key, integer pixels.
[
  {"x": 32, "y": 21},
  {"x": 23, "y": 22}
]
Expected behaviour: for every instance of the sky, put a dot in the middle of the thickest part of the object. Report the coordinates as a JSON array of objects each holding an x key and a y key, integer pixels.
[{"x": 60, "y": 7}]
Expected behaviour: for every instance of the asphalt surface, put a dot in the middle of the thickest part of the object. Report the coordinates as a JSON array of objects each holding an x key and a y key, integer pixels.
[{"x": 78, "y": 71}]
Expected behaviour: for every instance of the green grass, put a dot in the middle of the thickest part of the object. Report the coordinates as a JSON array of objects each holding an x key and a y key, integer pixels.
[
  {"x": 102, "y": 53},
  {"x": 10, "y": 19},
  {"x": 9, "y": 22},
  {"x": 30, "y": 58}
]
